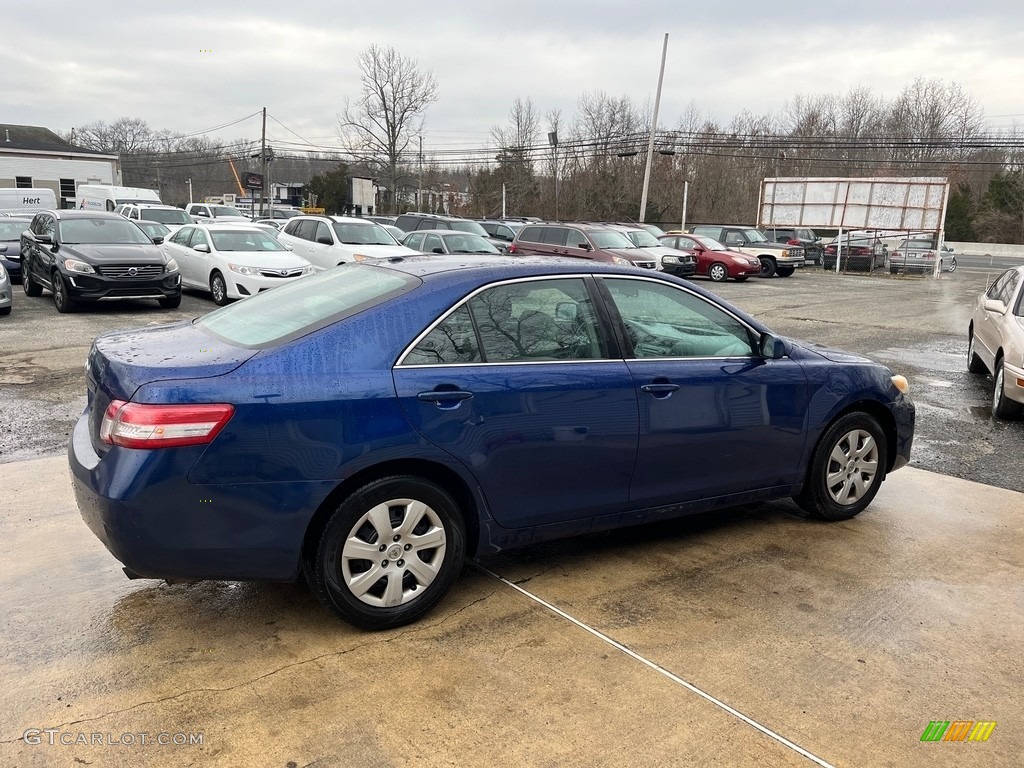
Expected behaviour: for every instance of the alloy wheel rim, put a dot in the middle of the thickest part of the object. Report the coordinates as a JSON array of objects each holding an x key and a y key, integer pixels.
[
  {"x": 393, "y": 553},
  {"x": 852, "y": 467},
  {"x": 717, "y": 272},
  {"x": 58, "y": 290},
  {"x": 218, "y": 289},
  {"x": 997, "y": 390}
]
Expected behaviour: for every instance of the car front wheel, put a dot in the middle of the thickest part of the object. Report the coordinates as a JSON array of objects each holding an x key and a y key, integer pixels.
[
  {"x": 786, "y": 271},
  {"x": 767, "y": 267},
  {"x": 847, "y": 468},
  {"x": 389, "y": 552},
  {"x": 218, "y": 289},
  {"x": 718, "y": 273},
  {"x": 61, "y": 300},
  {"x": 1002, "y": 406}
]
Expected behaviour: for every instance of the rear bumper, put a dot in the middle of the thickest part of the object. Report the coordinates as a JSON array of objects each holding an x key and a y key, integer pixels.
[{"x": 140, "y": 505}]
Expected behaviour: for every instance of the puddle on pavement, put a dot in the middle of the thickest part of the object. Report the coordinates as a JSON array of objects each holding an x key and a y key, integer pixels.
[{"x": 981, "y": 411}]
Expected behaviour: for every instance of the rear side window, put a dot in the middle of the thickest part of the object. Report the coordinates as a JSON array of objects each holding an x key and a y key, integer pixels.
[
  {"x": 531, "y": 234},
  {"x": 306, "y": 229},
  {"x": 305, "y": 305},
  {"x": 555, "y": 235},
  {"x": 453, "y": 341}
]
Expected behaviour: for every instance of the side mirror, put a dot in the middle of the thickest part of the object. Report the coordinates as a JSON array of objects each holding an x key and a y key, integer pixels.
[
  {"x": 325, "y": 240},
  {"x": 438, "y": 249},
  {"x": 584, "y": 246},
  {"x": 158, "y": 240},
  {"x": 44, "y": 239},
  {"x": 994, "y": 305},
  {"x": 202, "y": 248},
  {"x": 566, "y": 311},
  {"x": 772, "y": 347},
  {"x": 288, "y": 247}
]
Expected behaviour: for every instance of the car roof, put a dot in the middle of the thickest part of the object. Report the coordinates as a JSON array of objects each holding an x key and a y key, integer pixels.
[
  {"x": 77, "y": 213},
  {"x": 444, "y": 232}
]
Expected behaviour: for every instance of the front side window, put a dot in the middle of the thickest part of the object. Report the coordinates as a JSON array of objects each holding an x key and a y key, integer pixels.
[
  {"x": 413, "y": 241},
  {"x": 432, "y": 244},
  {"x": 994, "y": 290},
  {"x": 306, "y": 229},
  {"x": 199, "y": 238},
  {"x": 323, "y": 234},
  {"x": 664, "y": 321},
  {"x": 181, "y": 236},
  {"x": 537, "y": 320}
]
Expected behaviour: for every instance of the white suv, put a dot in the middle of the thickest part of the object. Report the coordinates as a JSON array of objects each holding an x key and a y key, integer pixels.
[
  {"x": 327, "y": 241},
  {"x": 204, "y": 213},
  {"x": 171, "y": 217}
]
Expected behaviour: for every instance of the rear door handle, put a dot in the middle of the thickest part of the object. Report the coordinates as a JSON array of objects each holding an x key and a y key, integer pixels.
[
  {"x": 659, "y": 390},
  {"x": 444, "y": 398}
]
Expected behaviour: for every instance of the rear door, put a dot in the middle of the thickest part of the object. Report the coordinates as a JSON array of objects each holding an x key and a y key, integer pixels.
[
  {"x": 519, "y": 383},
  {"x": 715, "y": 417}
]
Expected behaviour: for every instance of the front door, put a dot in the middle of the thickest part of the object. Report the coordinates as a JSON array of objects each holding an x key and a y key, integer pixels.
[{"x": 716, "y": 418}]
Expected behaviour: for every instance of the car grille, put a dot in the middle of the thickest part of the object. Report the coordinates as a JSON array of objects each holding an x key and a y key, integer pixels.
[
  {"x": 131, "y": 271},
  {"x": 645, "y": 264},
  {"x": 281, "y": 272}
]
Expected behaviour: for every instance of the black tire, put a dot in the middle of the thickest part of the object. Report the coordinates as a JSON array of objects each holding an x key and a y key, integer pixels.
[
  {"x": 1003, "y": 408},
  {"x": 718, "y": 272},
  {"x": 767, "y": 266},
  {"x": 974, "y": 364},
  {"x": 28, "y": 285},
  {"x": 859, "y": 437},
  {"x": 171, "y": 302},
  {"x": 219, "y": 289},
  {"x": 333, "y": 573},
  {"x": 742, "y": 278},
  {"x": 785, "y": 271},
  {"x": 61, "y": 300},
  {"x": 5, "y": 311},
  {"x": 952, "y": 265}
]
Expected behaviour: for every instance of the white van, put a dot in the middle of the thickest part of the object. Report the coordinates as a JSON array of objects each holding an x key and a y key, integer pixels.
[
  {"x": 27, "y": 200},
  {"x": 102, "y": 197}
]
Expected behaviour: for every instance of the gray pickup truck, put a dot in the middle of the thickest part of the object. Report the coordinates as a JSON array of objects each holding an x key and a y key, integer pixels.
[{"x": 775, "y": 258}]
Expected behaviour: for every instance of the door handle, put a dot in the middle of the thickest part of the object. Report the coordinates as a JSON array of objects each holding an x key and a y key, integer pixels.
[
  {"x": 445, "y": 399},
  {"x": 659, "y": 390}
]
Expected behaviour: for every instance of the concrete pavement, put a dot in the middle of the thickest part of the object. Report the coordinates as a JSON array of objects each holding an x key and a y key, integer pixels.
[{"x": 844, "y": 640}]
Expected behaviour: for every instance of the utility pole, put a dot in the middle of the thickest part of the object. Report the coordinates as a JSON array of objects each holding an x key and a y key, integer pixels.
[
  {"x": 419, "y": 192},
  {"x": 263, "y": 159},
  {"x": 654, "y": 127}
]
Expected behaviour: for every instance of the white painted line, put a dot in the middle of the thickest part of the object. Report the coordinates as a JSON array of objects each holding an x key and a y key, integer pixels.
[{"x": 659, "y": 669}]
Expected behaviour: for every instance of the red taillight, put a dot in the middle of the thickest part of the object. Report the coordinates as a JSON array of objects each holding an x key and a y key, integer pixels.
[
  {"x": 141, "y": 425},
  {"x": 512, "y": 248}
]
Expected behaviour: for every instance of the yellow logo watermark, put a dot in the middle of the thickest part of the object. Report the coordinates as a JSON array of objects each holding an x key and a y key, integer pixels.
[{"x": 958, "y": 730}]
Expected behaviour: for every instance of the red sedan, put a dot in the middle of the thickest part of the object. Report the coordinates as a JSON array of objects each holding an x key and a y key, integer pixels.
[{"x": 714, "y": 260}]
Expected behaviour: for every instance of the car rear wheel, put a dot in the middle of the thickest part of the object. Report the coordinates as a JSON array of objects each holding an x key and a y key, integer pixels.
[
  {"x": 61, "y": 300},
  {"x": 767, "y": 266},
  {"x": 1002, "y": 406},
  {"x": 219, "y": 289},
  {"x": 389, "y": 552},
  {"x": 718, "y": 273},
  {"x": 847, "y": 468},
  {"x": 974, "y": 364},
  {"x": 786, "y": 271},
  {"x": 28, "y": 285}
]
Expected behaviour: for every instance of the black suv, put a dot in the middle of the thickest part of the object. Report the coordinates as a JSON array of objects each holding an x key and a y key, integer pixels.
[
  {"x": 801, "y": 236},
  {"x": 410, "y": 222},
  {"x": 583, "y": 241},
  {"x": 91, "y": 256}
]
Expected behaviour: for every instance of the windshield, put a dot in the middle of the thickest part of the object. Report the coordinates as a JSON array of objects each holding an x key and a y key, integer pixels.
[
  {"x": 609, "y": 239},
  {"x": 244, "y": 240},
  {"x": 305, "y": 305},
  {"x": 755, "y": 236},
  {"x": 153, "y": 228},
  {"x": 469, "y": 226},
  {"x": 96, "y": 231},
  {"x": 11, "y": 230},
  {"x": 643, "y": 239},
  {"x": 165, "y": 215},
  {"x": 461, "y": 243},
  {"x": 226, "y": 210},
  {"x": 363, "y": 233}
]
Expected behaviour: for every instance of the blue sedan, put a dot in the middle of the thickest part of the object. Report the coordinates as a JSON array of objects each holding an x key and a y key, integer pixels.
[{"x": 372, "y": 426}]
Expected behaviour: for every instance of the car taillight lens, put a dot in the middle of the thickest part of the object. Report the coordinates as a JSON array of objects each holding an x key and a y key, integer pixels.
[
  {"x": 512, "y": 248},
  {"x": 142, "y": 425}
]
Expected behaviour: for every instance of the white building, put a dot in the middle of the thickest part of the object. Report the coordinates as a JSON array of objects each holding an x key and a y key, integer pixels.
[{"x": 31, "y": 156}]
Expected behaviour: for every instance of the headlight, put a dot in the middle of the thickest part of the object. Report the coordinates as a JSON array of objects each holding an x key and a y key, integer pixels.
[
  {"x": 901, "y": 383},
  {"x": 74, "y": 265},
  {"x": 3, "y": 272},
  {"x": 171, "y": 266},
  {"x": 785, "y": 253},
  {"x": 620, "y": 260},
  {"x": 252, "y": 271},
  {"x": 669, "y": 259},
  {"x": 309, "y": 269},
  {"x": 359, "y": 257}
]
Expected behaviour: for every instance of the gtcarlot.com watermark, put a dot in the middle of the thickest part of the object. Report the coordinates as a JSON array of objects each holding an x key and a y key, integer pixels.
[{"x": 55, "y": 736}]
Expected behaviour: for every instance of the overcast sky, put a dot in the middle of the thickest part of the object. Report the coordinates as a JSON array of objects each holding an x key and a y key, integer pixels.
[{"x": 189, "y": 66}]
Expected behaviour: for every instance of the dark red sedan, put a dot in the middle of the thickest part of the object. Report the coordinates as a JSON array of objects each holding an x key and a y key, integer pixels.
[{"x": 714, "y": 260}]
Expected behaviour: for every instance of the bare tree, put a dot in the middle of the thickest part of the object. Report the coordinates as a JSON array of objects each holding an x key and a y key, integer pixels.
[
  {"x": 381, "y": 124},
  {"x": 515, "y": 142}
]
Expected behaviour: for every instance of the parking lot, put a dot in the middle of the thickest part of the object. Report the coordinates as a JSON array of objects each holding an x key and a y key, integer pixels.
[{"x": 753, "y": 637}]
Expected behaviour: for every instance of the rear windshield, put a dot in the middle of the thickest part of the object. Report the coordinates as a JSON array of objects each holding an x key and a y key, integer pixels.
[
  {"x": 165, "y": 215},
  {"x": 306, "y": 305}
]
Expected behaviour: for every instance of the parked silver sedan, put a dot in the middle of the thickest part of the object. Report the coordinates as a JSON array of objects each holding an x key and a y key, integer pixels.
[{"x": 996, "y": 341}]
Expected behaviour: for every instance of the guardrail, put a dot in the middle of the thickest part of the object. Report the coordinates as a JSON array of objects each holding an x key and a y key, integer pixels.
[{"x": 987, "y": 249}]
